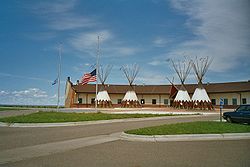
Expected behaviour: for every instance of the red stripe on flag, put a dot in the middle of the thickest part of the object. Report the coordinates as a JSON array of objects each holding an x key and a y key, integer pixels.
[{"x": 88, "y": 79}]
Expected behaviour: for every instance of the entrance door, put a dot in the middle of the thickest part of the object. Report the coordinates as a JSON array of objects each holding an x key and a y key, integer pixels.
[{"x": 142, "y": 101}]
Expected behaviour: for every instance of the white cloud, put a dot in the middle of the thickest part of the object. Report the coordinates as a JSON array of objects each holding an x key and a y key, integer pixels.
[
  {"x": 30, "y": 93},
  {"x": 61, "y": 15},
  {"x": 151, "y": 77},
  {"x": 109, "y": 45},
  {"x": 3, "y": 93},
  {"x": 160, "y": 42},
  {"x": 155, "y": 63},
  {"x": 87, "y": 42},
  {"x": 79, "y": 68},
  {"x": 221, "y": 29},
  {"x": 30, "y": 96}
]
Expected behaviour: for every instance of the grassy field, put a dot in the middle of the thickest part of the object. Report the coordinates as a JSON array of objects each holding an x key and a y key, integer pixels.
[
  {"x": 23, "y": 107},
  {"x": 10, "y": 108},
  {"x": 28, "y": 106},
  {"x": 192, "y": 128},
  {"x": 50, "y": 117}
]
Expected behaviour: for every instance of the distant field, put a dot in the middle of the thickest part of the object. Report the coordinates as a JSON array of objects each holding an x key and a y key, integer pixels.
[
  {"x": 27, "y": 106},
  {"x": 50, "y": 117},
  {"x": 208, "y": 127},
  {"x": 10, "y": 108}
]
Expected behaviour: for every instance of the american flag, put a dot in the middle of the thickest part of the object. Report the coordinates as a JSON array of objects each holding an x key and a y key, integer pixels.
[{"x": 89, "y": 77}]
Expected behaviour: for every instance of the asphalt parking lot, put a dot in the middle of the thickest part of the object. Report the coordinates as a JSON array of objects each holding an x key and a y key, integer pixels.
[{"x": 92, "y": 145}]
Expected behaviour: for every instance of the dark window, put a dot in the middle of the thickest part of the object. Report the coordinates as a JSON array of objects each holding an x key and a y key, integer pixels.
[
  {"x": 166, "y": 101},
  {"x": 80, "y": 100},
  {"x": 153, "y": 101},
  {"x": 234, "y": 101},
  {"x": 119, "y": 101},
  {"x": 142, "y": 101},
  {"x": 244, "y": 101},
  {"x": 225, "y": 101},
  {"x": 244, "y": 108},
  {"x": 93, "y": 101},
  {"x": 241, "y": 108},
  {"x": 213, "y": 101}
]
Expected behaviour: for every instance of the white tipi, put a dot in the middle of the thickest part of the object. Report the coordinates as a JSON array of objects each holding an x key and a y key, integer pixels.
[
  {"x": 200, "y": 97},
  {"x": 182, "y": 69},
  {"x": 130, "y": 99},
  {"x": 103, "y": 99}
]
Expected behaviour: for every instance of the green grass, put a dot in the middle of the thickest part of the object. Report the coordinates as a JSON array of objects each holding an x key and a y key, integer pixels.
[
  {"x": 50, "y": 117},
  {"x": 10, "y": 108},
  {"x": 192, "y": 128},
  {"x": 29, "y": 106}
]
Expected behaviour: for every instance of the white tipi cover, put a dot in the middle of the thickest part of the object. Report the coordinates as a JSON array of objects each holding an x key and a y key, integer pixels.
[
  {"x": 130, "y": 96},
  {"x": 103, "y": 96},
  {"x": 182, "y": 95},
  {"x": 200, "y": 94}
]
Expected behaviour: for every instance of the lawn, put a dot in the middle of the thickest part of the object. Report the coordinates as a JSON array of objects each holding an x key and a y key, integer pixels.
[
  {"x": 207, "y": 127},
  {"x": 50, "y": 117}
]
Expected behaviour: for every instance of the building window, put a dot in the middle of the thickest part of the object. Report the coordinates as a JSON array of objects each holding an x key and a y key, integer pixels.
[
  {"x": 93, "y": 101},
  {"x": 225, "y": 101},
  {"x": 244, "y": 101},
  {"x": 166, "y": 101},
  {"x": 153, "y": 101},
  {"x": 119, "y": 101},
  {"x": 234, "y": 101},
  {"x": 213, "y": 101},
  {"x": 142, "y": 101},
  {"x": 80, "y": 100}
]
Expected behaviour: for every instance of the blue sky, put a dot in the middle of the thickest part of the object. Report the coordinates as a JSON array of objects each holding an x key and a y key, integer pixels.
[{"x": 146, "y": 32}]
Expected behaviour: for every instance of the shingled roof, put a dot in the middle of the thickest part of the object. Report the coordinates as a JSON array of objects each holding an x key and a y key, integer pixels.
[{"x": 228, "y": 87}]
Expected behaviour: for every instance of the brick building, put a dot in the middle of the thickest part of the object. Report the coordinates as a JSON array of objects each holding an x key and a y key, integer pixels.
[{"x": 81, "y": 96}]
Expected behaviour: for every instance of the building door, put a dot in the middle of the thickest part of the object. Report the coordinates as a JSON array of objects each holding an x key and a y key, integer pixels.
[{"x": 142, "y": 101}]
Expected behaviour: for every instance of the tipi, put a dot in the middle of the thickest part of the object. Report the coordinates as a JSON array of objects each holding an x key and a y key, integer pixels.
[
  {"x": 182, "y": 99},
  {"x": 103, "y": 99},
  {"x": 200, "y": 97},
  {"x": 130, "y": 99},
  {"x": 172, "y": 91}
]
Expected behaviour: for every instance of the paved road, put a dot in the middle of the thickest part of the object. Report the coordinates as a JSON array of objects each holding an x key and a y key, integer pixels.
[
  {"x": 93, "y": 145},
  {"x": 139, "y": 154}
]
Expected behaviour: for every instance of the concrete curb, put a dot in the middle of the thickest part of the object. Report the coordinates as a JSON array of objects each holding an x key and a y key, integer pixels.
[
  {"x": 23, "y": 125},
  {"x": 185, "y": 137}
]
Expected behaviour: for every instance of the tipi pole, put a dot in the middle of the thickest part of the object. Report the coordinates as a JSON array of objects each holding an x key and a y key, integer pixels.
[
  {"x": 59, "y": 76},
  {"x": 97, "y": 72}
]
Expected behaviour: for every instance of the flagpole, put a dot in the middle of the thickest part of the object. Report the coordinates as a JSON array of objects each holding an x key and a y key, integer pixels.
[
  {"x": 97, "y": 71},
  {"x": 59, "y": 75}
]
